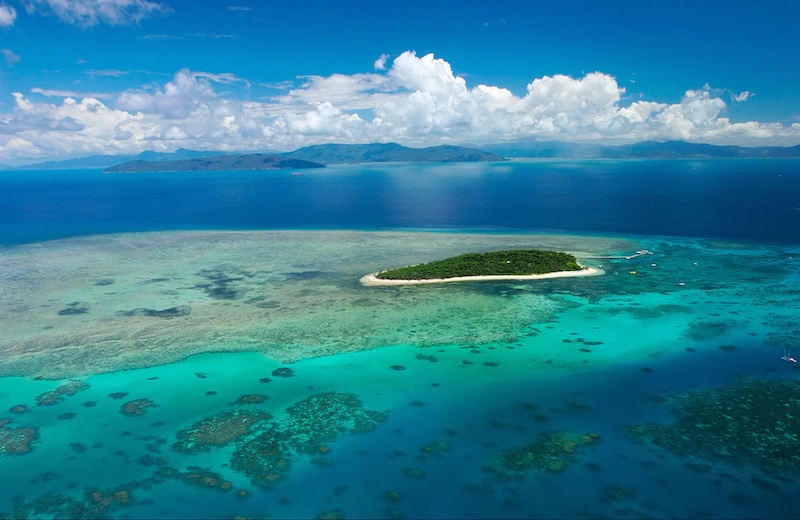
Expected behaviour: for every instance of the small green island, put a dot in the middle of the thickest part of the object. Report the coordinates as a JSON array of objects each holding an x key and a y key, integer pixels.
[{"x": 517, "y": 264}]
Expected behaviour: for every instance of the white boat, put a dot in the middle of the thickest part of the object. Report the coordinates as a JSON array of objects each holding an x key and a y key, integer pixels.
[
  {"x": 787, "y": 356},
  {"x": 295, "y": 174}
]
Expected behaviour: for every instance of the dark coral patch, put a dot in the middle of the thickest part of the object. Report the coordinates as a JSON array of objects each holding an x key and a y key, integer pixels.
[
  {"x": 283, "y": 372},
  {"x": 744, "y": 423},
  {"x": 61, "y": 392},
  {"x": 308, "y": 427},
  {"x": 549, "y": 453},
  {"x": 73, "y": 309},
  {"x": 218, "y": 430},
  {"x": 250, "y": 399},
  {"x": 16, "y": 440},
  {"x": 136, "y": 407}
]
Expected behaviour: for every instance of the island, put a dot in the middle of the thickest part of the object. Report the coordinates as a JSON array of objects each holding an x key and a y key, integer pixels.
[
  {"x": 254, "y": 161},
  {"x": 515, "y": 264},
  {"x": 390, "y": 152}
]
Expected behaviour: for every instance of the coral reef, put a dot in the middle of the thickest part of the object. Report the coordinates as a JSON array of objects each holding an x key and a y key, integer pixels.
[
  {"x": 414, "y": 473},
  {"x": 393, "y": 496},
  {"x": 749, "y": 422},
  {"x": 95, "y": 504},
  {"x": 307, "y": 428},
  {"x": 322, "y": 417},
  {"x": 263, "y": 459},
  {"x": 548, "y": 453},
  {"x": 61, "y": 392},
  {"x": 250, "y": 399},
  {"x": 204, "y": 478},
  {"x": 136, "y": 407},
  {"x": 218, "y": 430},
  {"x": 283, "y": 372},
  {"x": 436, "y": 448},
  {"x": 16, "y": 440}
]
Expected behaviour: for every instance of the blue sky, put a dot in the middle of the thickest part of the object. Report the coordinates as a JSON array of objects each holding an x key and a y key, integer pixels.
[{"x": 79, "y": 77}]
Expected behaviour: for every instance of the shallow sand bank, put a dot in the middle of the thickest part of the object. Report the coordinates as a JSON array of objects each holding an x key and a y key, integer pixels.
[{"x": 373, "y": 280}]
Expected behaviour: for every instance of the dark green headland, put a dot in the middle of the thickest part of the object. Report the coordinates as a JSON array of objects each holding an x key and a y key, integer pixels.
[{"x": 517, "y": 262}]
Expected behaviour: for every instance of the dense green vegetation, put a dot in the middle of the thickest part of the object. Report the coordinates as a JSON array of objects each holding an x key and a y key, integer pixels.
[{"x": 514, "y": 262}]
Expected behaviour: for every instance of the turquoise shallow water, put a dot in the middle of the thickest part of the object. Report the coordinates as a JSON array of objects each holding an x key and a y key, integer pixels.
[{"x": 541, "y": 361}]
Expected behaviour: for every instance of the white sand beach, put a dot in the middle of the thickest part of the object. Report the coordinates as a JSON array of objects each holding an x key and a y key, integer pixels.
[{"x": 373, "y": 280}]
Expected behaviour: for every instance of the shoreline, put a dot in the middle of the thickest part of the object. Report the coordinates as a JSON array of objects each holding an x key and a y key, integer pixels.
[{"x": 371, "y": 280}]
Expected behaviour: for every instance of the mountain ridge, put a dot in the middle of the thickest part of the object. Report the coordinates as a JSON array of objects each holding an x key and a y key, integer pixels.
[
  {"x": 389, "y": 152},
  {"x": 215, "y": 163},
  {"x": 393, "y": 152}
]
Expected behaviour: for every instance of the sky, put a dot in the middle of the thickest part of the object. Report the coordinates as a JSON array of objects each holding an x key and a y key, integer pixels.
[{"x": 85, "y": 77}]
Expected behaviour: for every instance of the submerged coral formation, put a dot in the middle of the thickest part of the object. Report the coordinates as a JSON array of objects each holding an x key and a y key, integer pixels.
[
  {"x": 94, "y": 504},
  {"x": 754, "y": 421},
  {"x": 218, "y": 430},
  {"x": 548, "y": 453},
  {"x": 136, "y": 407},
  {"x": 263, "y": 459},
  {"x": 61, "y": 392},
  {"x": 307, "y": 428},
  {"x": 249, "y": 399},
  {"x": 16, "y": 440}
]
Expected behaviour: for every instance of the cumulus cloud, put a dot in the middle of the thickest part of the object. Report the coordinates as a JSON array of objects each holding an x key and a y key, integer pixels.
[
  {"x": 88, "y": 13},
  {"x": 7, "y": 15},
  {"x": 418, "y": 101},
  {"x": 380, "y": 63}
]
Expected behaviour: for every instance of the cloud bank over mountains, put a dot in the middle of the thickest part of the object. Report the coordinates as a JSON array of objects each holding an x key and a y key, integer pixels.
[{"x": 413, "y": 100}]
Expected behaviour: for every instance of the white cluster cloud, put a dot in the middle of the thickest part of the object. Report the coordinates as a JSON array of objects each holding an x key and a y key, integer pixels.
[
  {"x": 7, "y": 15},
  {"x": 417, "y": 101},
  {"x": 88, "y": 13}
]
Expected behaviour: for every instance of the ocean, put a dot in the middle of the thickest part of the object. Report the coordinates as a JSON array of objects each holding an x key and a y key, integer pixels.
[{"x": 198, "y": 345}]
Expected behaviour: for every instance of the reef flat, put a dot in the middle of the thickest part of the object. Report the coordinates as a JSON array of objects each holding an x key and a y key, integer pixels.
[{"x": 105, "y": 303}]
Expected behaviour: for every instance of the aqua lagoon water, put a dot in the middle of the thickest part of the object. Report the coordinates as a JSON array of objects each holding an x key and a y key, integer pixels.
[{"x": 191, "y": 290}]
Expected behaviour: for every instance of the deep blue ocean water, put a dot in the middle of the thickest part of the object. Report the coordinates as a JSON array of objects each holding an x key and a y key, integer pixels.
[
  {"x": 718, "y": 301},
  {"x": 738, "y": 199}
]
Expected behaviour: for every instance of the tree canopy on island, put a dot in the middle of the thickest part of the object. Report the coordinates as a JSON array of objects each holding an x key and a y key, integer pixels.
[{"x": 518, "y": 262}]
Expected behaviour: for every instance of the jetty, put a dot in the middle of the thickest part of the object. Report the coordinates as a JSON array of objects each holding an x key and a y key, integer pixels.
[{"x": 637, "y": 254}]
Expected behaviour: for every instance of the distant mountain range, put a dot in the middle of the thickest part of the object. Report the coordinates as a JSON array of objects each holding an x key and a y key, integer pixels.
[
  {"x": 106, "y": 161},
  {"x": 641, "y": 150},
  {"x": 220, "y": 162},
  {"x": 391, "y": 152}
]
